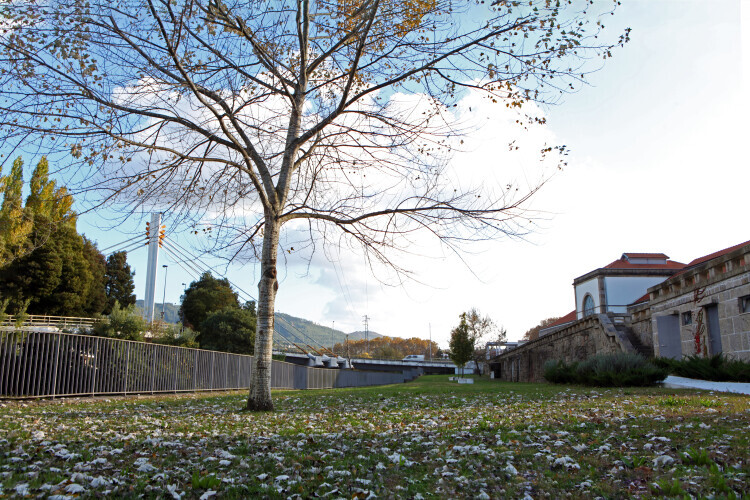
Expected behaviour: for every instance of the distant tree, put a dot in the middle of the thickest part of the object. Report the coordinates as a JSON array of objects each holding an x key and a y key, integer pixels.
[
  {"x": 95, "y": 301},
  {"x": 461, "y": 343},
  {"x": 119, "y": 285},
  {"x": 122, "y": 323},
  {"x": 205, "y": 296},
  {"x": 386, "y": 347},
  {"x": 533, "y": 333},
  {"x": 15, "y": 226},
  {"x": 229, "y": 330}
]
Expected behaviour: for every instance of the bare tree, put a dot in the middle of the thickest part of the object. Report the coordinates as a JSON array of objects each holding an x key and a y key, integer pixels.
[{"x": 329, "y": 116}]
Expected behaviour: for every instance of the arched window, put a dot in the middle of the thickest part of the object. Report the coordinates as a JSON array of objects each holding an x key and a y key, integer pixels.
[{"x": 588, "y": 305}]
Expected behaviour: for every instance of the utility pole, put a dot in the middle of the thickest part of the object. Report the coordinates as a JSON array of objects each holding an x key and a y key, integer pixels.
[
  {"x": 367, "y": 333},
  {"x": 429, "y": 325}
]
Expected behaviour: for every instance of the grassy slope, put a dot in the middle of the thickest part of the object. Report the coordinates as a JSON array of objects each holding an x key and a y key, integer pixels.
[{"x": 431, "y": 437}]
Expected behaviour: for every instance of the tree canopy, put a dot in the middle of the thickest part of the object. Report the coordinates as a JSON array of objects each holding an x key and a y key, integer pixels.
[
  {"x": 461, "y": 343},
  {"x": 204, "y": 296},
  {"x": 333, "y": 118},
  {"x": 533, "y": 333},
  {"x": 119, "y": 285}
]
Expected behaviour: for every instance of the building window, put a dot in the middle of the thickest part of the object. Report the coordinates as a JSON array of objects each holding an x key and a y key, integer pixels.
[
  {"x": 745, "y": 304},
  {"x": 687, "y": 318},
  {"x": 588, "y": 305}
]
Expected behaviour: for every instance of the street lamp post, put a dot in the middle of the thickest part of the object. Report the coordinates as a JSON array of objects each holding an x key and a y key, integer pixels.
[{"x": 164, "y": 296}]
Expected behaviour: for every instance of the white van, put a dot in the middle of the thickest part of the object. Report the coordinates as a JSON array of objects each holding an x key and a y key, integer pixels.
[{"x": 414, "y": 357}]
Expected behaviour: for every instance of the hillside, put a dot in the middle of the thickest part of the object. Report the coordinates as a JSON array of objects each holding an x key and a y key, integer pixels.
[
  {"x": 303, "y": 331},
  {"x": 171, "y": 311}
]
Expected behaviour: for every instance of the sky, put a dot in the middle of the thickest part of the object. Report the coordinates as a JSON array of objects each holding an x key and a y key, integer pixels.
[{"x": 657, "y": 163}]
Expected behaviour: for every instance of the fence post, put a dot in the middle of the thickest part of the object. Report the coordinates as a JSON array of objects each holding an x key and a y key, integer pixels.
[
  {"x": 213, "y": 359},
  {"x": 127, "y": 368},
  {"x": 54, "y": 370},
  {"x": 176, "y": 366},
  {"x": 153, "y": 366},
  {"x": 96, "y": 356},
  {"x": 195, "y": 370}
]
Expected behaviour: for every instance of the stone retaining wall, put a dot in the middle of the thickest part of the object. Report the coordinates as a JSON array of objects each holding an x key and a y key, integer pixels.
[{"x": 575, "y": 342}]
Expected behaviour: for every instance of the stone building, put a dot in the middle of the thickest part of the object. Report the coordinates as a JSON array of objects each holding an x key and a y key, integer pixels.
[{"x": 647, "y": 304}]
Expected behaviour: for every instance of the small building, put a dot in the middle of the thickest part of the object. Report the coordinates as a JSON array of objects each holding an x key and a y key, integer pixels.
[{"x": 648, "y": 304}]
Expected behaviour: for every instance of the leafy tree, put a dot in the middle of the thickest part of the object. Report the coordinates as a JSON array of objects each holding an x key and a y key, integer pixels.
[
  {"x": 15, "y": 226},
  {"x": 328, "y": 115},
  {"x": 229, "y": 330},
  {"x": 205, "y": 296},
  {"x": 386, "y": 347},
  {"x": 53, "y": 269},
  {"x": 122, "y": 323},
  {"x": 482, "y": 329},
  {"x": 461, "y": 343},
  {"x": 119, "y": 284},
  {"x": 95, "y": 301},
  {"x": 533, "y": 333}
]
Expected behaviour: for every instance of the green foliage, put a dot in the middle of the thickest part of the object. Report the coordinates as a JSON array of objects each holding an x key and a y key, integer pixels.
[
  {"x": 119, "y": 285},
  {"x": 229, "y": 330},
  {"x": 461, "y": 343},
  {"x": 22, "y": 315},
  {"x": 697, "y": 457},
  {"x": 667, "y": 488},
  {"x": 177, "y": 335},
  {"x": 204, "y": 482},
  {"x": 205, "y": 296},
  {"x": 606, "y": 370},
  {"x": 122, "y": 323},
  {"x": 46, "y": 261},
  {"x": 716, "y": 367}
]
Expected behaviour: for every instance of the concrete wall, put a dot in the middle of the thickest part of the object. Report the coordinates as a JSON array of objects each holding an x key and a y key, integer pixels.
[{"x": 585, "y": 338}]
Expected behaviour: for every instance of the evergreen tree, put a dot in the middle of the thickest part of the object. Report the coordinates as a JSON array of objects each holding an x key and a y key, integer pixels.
[
  {"x": 119, "y": 285},
  {"x": 229, "y": 330},
  {"x": 205, "y": 296},
  {"x": 47, "y": 265},
  {"x": 96, "y": 299}
]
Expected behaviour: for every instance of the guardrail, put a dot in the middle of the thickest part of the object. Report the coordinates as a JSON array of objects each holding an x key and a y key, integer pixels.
[
  {"x": 49, "y": 364},
  {"x": 32, "y": 320}
]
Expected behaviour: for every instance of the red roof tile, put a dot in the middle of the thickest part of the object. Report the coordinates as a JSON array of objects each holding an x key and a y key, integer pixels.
[
  {"x": 645, "y": 298},
  {"x": 646, "y": 255},
  {"x": 568, "y": 318},
  {"x": 624, "y": 264},
  {"x": 701, "y": 260}
]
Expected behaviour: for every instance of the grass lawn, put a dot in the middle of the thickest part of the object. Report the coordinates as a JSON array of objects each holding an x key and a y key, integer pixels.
[{"x": 427, "y": 438}]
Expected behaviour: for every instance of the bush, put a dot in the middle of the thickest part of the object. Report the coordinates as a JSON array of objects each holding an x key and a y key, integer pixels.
[
  {"x": 717, "y": 368},
  {"x": 606, "y": 370},
  {"x": 126, "y": 324},
  {"x": 177, "y": 335}
]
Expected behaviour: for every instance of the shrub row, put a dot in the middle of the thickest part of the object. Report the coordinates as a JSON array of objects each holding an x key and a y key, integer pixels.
[
  {"x": 717, "y": 368},
  {"x": 606, "y": 370}
]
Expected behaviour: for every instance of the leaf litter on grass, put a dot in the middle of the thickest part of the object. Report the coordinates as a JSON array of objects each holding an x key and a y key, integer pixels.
[{"x": 429, "y": 438}]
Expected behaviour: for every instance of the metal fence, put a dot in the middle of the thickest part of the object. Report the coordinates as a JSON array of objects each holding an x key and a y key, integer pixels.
[{"x": 46, "y": 364}]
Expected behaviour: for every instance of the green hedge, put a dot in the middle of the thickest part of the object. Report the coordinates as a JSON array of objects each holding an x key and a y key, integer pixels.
[
  {"x": 606, "y": 370},
  {"x": 717, "y": 368}
]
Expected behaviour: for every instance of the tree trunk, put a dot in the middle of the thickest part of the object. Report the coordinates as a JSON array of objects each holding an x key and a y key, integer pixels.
[{"x": 260, "y": 388}]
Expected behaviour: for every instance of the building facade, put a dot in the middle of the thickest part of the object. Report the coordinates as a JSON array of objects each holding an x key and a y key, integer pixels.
[{"x": 647, "y": 304}]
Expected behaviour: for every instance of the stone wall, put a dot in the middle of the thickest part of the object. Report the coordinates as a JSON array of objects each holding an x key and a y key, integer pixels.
[
  {"x": 720, "y": 282},
  {"x": 575, "y": 342}
]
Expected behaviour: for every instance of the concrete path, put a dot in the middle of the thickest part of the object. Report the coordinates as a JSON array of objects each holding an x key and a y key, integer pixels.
[{"x": 708, "y": 385}]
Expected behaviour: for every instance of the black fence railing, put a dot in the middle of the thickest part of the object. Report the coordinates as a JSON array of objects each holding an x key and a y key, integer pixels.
[{"x": 45, "y": 364}]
